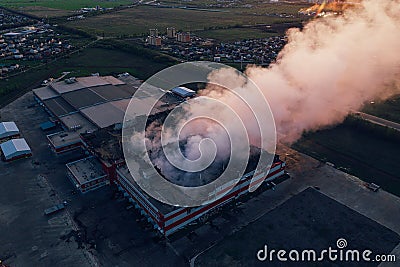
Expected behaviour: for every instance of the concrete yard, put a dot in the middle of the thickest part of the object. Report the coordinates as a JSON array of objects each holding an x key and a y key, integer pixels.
[
  {"x": 94, "y": 230},
  {"x": 97, "y": 229},
  {"x": 305, "y": 171},
  {"x": 309, "y": 220},
  {"x": 27, "y": 188}
]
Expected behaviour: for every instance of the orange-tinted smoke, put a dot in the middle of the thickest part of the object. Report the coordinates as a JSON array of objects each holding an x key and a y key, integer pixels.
[{"x": 331, "y": 67}]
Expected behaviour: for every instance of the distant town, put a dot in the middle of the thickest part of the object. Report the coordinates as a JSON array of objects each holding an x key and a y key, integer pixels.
[{"x": 190, "y": 47}]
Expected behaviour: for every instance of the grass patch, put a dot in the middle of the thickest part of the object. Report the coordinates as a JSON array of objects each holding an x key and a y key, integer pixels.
[
  {"x": 233, "y": 34},
  {"x": 63, "y": 4},
  {"x": 138, "y": 20},
  {"x": 43, "y": 12},
  {"x": 109, "y": 61},
  {"x": 389, "y": 109},
  {"x": 249, "y": 6}
]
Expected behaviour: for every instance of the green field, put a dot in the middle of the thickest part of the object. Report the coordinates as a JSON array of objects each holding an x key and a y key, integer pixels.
[
  {"x": 64, "y": 4},
  {"x": 250, "y": 6},
  {"x": 44, "y": 12},
  {"x": 58, "y": 8},
  {"x": 138, "y": 20},
  {"x": 109, "y": 62},
  {"x": 362, "y": 150},
  {"x": 389, "y": 109},
  {"x": 233, "y": 34}
]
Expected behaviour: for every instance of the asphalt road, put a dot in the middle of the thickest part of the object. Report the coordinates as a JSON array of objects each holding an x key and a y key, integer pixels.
[{"x": 379, "y": 121}]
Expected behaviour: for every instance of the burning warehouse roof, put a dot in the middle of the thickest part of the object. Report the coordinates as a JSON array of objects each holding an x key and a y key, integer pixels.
[
  {"x": 107, "y": 144},
  {"x": 189, "y": 146},
  {"x": 168, "y": 216},
  {"x": 212, "y": 172}
]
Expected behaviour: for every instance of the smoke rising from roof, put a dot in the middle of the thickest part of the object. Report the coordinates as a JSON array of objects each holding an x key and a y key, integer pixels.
[{"x": 331, "y": 67}]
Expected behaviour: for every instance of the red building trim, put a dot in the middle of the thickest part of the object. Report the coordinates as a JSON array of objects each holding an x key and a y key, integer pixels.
[
  {"x": 18, "y": 157},
  {"x": 213, "y": 204}
]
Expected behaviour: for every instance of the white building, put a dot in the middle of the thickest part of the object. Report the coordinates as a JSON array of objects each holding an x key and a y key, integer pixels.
[
  {"x": 154, "y": 32},
  {"x": 8, "y": 129},
  {"x": 171, "y": 32},
  {"x": 87, "y": 174},
  {"x": 183, "y": 92},
  {"x": 154, "y": 40},
  {"x": 14, "y": 149}
]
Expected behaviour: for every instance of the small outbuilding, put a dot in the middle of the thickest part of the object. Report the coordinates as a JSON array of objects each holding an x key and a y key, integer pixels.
[
  {"x": 48, "y": 125},
  {"x": 15, "y": 149},
  {"x": 183, "y": 92},
  {"x": 8, "y": 129}
]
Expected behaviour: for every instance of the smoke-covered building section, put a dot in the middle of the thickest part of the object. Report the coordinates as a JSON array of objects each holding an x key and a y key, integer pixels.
[{"x": 91, "y": 111}]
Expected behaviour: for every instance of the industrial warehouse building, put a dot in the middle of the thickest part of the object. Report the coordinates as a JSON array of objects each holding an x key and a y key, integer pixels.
[
  {"x": 84, "y": 104},
  {"x": 15, "y": 149},
  {"x": 8, "y": 130},
  {"x": 91, "y": 110},
  {"x": 105, "y": 145},
  {"x": 168, "y": 219}
]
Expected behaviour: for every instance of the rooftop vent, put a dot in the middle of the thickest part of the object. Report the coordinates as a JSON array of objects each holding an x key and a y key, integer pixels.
[{"x": 70, "y": 80}]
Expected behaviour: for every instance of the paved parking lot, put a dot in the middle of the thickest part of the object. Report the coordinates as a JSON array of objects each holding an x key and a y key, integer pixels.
[
  {"x": 96, "y": 229},
  {"x": 27, "y": 187},
  {"x": 309, "y": 220},
  {"x": 305, "y": 172}
]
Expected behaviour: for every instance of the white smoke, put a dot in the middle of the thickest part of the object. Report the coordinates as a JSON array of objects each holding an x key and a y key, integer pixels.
[
  {"x": 334, "y": 65},
  {"x": 331, "y": 67}
]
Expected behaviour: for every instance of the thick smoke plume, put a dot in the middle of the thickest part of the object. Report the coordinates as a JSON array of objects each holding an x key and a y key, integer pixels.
[
  {"x": 331, "y": 67},
  {"x": 190, "y": 139}
]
